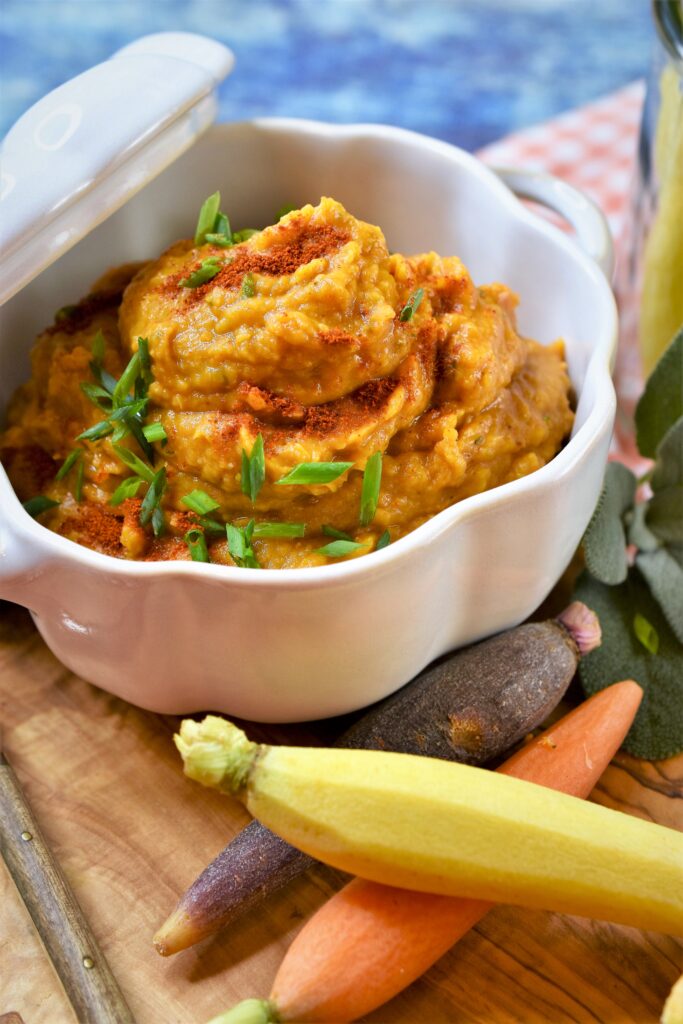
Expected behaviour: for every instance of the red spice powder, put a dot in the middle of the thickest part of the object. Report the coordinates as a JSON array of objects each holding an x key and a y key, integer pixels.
[
  {"x": 284, "y": 258},
  {"x": 97, "y": 527}
]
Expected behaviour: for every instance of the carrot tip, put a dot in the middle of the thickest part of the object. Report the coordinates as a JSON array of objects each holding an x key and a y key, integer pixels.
[{"x": 584, "y": 626}]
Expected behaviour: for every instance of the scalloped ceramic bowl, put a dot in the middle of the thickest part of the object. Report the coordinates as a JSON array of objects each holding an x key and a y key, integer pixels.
[{"x": 295, "y": 644}]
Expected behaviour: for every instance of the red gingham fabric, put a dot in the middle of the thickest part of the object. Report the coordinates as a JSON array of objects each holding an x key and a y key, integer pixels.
[{"x": 594, "y": 148}]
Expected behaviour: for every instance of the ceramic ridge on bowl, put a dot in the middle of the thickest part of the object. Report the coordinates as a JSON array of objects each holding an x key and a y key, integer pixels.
[{"x": 184, "y": 636}]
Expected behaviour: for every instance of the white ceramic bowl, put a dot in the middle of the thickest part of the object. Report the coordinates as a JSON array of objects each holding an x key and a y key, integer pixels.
[{"x": 296, "y": 644}]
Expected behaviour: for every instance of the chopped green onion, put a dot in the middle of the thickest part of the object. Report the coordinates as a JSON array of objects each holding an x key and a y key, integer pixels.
[
  {"x": 279, "y": 529},
  {"x": 411, "y": 306},
  {"x": 69, "y": 463},
  {"x": 646, "y": 633},
  {"x": 340, "y": 548},
  {"x": 372, "y": 478},
  {"x": 315, "y": 473},
  {"x": 97, "y": 395},
  {"x": 383, "y": 541},
  {"x": 35, "y": 506},
  {"x": 211, "y": 525},
  {"x": 248, "y": 286},
  {"x": 206, "y": 271},
  {"x": 331, "y": 531},
  {"x": 244, "y": 235},
  {"x": 284, "y": 210},
  {"x": 130, "y": 459},
  {"x": 94, "y": 433},
  {"x": 154, "y": 432},
  {"x": 128, "y": 488},
  {"x": 253, "y": 469},
  {"x": 151, "y": 503},
  {"x": 200, "y": 502},
  {"x": 130, "y": 407},
  {"x": 196, "y": 543},
  {"x": 126, "y": 381},
  {"x": 207, "y": 217},
  {"x": 239, "y": 545},
  {"x": 221, "y": 240}
]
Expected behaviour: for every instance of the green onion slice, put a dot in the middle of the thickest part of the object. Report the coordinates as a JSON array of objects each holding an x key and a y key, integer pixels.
[
  {"x": 244, "y": 235},
  {"x": 239, "y": 545},
  {"x": 253, "y": 469},
  {"x": 411, "y": 306},
  {"x": 154, "y": 432},
  {"x": 150, "y": 510},
  {"x": 128, "y": 488},
  {"x": 315, "y": 473},
  {"x": 69, "y": 462},
  {"x": 35, "y": 506},
  {"x": 646, "y": 633},
  {"x": 340, "y": 548},
  {"x": 201, "y": 503},
  {"x": 130, "y": 459},
  {"x": 207, "y": 217},
  {"x": 196, "y": 543},
  {"x": 248, "y": 286},
  {"x": 206, "y": 271},
  {"x": 383, "y": 541},
  {"x": 94, "y": 433},
  {"x": 372, "y": 478},
  {"x": 332, "y": 531},
  {"x": 279, "y": 529}
]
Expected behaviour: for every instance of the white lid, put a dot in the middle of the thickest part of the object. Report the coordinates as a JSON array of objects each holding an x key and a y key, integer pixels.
[{"x": 84, "y": 149}]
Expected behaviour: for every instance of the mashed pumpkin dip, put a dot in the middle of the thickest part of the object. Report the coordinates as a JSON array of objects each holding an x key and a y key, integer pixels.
[{"x": 278, "y": 398}]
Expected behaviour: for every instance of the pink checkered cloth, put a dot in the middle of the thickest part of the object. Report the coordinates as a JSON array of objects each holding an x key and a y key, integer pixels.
[{"x": 594, "y": 148}]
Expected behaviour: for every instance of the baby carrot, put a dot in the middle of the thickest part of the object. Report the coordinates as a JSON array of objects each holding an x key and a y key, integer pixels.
[{"x": 370, "y": 941}]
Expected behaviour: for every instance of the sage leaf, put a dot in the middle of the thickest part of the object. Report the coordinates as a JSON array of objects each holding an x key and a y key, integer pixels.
[
  {"x": 665, "y": 578},
  {"x": 638, "y": 532},
  {"x": 657, "y": 731},
  {"x": 605, "y": 539},
  {"x": 664, "y": 515},
  {"x": 662, "y": 401},
  {"x": 668, "y": 471}
]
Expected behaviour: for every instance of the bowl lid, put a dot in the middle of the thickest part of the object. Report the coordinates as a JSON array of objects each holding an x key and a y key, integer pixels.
[{"x": 84, "y": 149}]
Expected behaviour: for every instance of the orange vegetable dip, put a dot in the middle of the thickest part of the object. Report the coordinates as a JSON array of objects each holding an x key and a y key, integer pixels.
[{"x": 343, "y": 350}]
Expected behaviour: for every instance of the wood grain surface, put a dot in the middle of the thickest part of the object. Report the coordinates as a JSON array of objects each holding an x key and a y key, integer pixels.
[{"x": 130, "y": 833}]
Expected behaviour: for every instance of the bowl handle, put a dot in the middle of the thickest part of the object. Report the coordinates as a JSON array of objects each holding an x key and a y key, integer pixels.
[
  {"x": 582, "y": 213},
  {"x": 22, "y": 561}
]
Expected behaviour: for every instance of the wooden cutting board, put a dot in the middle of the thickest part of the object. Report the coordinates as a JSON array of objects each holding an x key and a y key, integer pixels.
[{"x": 131, "y": 833}]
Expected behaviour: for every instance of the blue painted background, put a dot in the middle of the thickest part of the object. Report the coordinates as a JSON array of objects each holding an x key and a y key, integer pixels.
[{"x": 464, "y": 70}]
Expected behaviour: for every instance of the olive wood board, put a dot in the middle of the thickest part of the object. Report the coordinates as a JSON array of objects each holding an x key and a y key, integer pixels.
[{"x": 130, "y": 833}]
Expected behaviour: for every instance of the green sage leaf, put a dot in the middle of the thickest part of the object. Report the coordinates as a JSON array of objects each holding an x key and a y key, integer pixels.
[{"x": 662, "y": 401}]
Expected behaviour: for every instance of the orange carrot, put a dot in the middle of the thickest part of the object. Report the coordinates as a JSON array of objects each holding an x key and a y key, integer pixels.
[{"x": 370, "y": 941}]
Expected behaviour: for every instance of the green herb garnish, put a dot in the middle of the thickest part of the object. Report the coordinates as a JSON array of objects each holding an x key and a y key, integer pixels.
[
  {"x": 201, "y": 503},
  {"x": 279, "y": 529},
  {"x": 248, "y": 286},
  {"x": 411, "y": 306},
  {"x": 130, "y": 459},
  {"x": 253, "y": 470},
  {"x": 128, "y": 488},
  {"x": 74, "y": 458},
  {"x": 97, "y": 431},
  {"x": 39, "y": 504},
  {"x": 340, "y": 548},
  {"x": 206, "y": 271},
  {"x": 207, "y": 217},
  {"x": 383, "y": 541},
  {"x": 150, "y": 510},
  {"x": 124, "y": 401},
  {"x": 239, "y": 545},
  {"x": 313, "y": 473},
  {"x": 244, "y": 235},
  {"x": 196, "y": 543},
  {"x": 639, "y": 599},
  {"x": 332, "y": 531},
  {"x": 372, "y": 478},
  {"x": 155, "y": 432},
  {"x": 283, "y": 211}
]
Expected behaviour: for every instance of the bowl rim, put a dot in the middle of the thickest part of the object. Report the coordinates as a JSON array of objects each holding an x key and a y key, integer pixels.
[{"x": 54, "y": 547}]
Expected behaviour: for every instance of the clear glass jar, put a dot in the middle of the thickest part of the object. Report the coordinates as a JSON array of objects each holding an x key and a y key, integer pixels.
[{"x": 656, "y": 266}]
